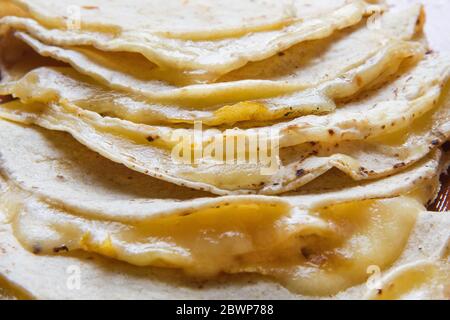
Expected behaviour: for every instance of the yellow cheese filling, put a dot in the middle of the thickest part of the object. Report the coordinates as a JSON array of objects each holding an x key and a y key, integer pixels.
[{"x": 313, "y": 252}]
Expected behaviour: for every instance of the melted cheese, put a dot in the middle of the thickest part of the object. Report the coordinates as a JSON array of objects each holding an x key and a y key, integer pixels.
[
  {"x": 315, "y": 252},
  {"x": 415, "y": 281}
]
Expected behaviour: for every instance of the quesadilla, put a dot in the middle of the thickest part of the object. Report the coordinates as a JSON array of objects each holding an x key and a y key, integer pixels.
[
  {"x": 169, "y": 153},
  {"x": 208, "y": 150},
  {"x": 88, "y": 205},
  {"x": 310, "y": 80},
  {"x": 195, "y": 55}
]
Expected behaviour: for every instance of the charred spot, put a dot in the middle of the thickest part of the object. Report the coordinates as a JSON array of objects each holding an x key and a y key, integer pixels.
[
  {"x": 331, "y": 132},
  {"x": 399, "y": 165},
  {"x": 313, "y": 143},
  {"x": 429, "y": 51},
  {"x": 287, "y": 114},
  {"x": 300, "y": 172},
  {"x": 5, "y": 99},
  {"x": 383, "y": 127},
  {"x": 359, "y": 81},
  {"x": 37, "y": 248},
  {"x": 152, "y": 138},
  {"x": 61, "y": 248},
  {"x": 379, "y": 291},
  {"x": 60, "y": 177},
  {"x": 306, "y": 252},
  {"x": 280, "y": 54},
  {"x": 435, "y": 142},
  {"x": 418, "y": 21},
  {"x": 363, "y": 170}
]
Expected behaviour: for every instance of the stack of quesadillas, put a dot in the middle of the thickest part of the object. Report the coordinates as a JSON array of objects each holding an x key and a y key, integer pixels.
[{"x": 221, "y": 150}]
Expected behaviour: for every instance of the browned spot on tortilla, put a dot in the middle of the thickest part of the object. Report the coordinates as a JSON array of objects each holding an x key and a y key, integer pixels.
[
  {"x": 37, "y": 248},
  {"x": 5, "y": 99},
  {"x": 61, "y": 248},
  {"x": 152, "y": 138},
  {"x": 359, "y": 81},
  {"x": 399, "y": 165}
]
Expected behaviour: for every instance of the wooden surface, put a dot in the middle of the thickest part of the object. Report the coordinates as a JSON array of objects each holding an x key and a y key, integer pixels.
[{"x": 442, "y": 202}]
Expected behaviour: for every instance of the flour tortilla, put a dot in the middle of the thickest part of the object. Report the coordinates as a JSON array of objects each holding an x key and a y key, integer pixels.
[
  {"x": 82, "y": 179},
  {"x": 381, "y": 151},
  {"x": 201, "y": 19},
  {"x": 359, "y": 160},
  {"x": 307, "y": 79},
  {"x": 57, "y": 168},
  {"x": 214, "y": 57},
  {"x": 303, "y": 66},
  {"x": 52, "y": 212},
  {"x": 411, "y": 93},
  {"x": 230, "y": 103},
  {"x": 46, "y": 277}
]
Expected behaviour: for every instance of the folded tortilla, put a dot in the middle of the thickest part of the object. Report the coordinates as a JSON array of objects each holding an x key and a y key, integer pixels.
[
  {"x": 196, "y": 54},
  {"x": 406, "y": 119},
  {"x": 70, "y": 199},
  {"x": 328, "y": 202}
]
